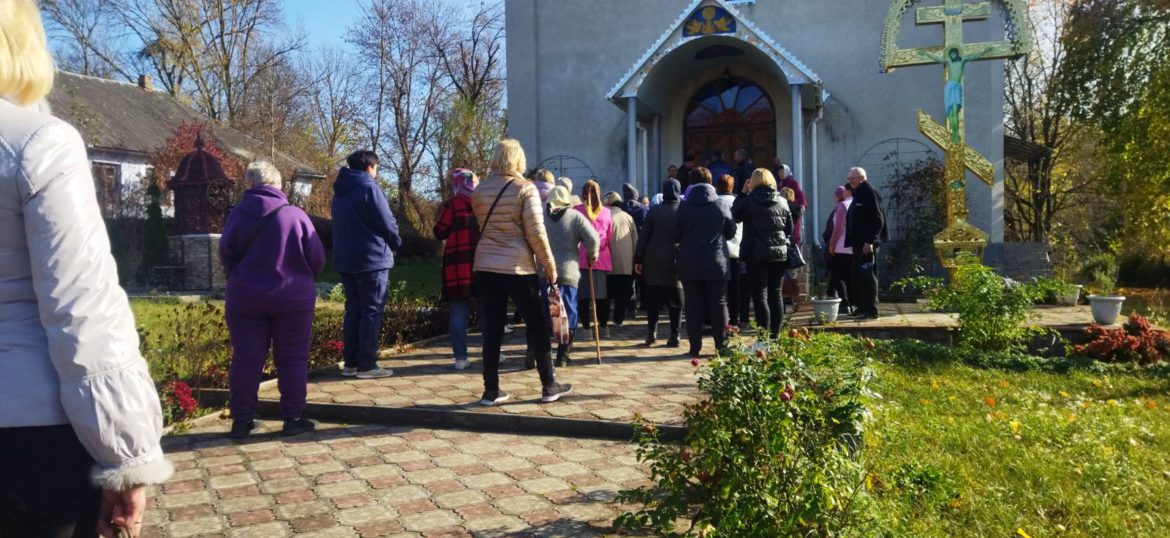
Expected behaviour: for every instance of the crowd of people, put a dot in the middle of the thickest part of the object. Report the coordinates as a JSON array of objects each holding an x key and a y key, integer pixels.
[{"x": 80, "y": 419}]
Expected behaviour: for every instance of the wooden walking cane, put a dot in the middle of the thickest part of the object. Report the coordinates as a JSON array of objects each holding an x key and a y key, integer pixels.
[{"x": 593, "y": 310}]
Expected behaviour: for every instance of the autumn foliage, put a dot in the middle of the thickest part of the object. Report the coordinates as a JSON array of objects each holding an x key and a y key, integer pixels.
[{"x": 1134, "y": 342}]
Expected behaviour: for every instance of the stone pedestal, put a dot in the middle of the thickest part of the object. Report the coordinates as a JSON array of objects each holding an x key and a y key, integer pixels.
[{"x": 199, "y": 256}]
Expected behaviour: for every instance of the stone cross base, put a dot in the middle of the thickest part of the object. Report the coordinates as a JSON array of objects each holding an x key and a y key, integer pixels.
[{"x": 199, "y": 256}]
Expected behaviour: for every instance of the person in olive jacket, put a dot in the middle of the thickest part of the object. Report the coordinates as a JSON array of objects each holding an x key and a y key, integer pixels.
[
  {"x": 767, "y": 225},
  {"x": 704, "y": 226},
  {"x": 656, "y": 259}
]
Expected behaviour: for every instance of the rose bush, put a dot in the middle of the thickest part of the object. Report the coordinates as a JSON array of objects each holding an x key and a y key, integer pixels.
[{"x": 772, "y": 451}]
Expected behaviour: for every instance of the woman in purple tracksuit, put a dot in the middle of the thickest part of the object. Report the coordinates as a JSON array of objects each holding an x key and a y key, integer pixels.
[{"x": 271, "y": 253}]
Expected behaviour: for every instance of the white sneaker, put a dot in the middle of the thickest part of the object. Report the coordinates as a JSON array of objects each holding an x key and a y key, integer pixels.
[
  {"x": 376, "y": 373},
  {"x": 462, "y": 364},
  {"x": 349, "y": 371},
  {"x": 508, "y": 328}
]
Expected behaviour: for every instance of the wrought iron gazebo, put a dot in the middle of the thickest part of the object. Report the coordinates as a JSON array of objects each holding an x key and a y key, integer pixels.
[{"x": 203, "y": 193}]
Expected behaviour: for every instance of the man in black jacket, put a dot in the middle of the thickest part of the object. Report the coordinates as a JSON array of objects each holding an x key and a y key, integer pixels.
[
  {"x": 865, "y": 229},
  {"x": 743, "y": 169}
]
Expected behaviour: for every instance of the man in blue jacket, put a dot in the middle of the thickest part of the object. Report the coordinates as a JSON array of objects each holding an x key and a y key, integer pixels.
[{"x": 365, "y": 235}]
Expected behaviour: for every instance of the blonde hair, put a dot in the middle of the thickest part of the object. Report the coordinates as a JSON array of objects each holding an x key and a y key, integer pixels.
[
  {"x": 543, "y": 176},
  {"x": 761, "y": 176},
  {"x": 26, "y": 67},
  {"x": 263, "y": 172},
  {"x": 508, "y": 158}
]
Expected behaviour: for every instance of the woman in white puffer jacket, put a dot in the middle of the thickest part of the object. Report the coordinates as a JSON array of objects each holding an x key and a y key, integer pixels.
[{"x": 80, "y": 420}]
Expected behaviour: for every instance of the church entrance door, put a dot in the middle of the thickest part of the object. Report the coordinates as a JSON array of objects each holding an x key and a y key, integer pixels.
[{"x": 726, "y": 114}]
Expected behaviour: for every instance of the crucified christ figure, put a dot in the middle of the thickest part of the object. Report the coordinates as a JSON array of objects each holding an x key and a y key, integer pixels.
[{"x": 953, "y": 96}]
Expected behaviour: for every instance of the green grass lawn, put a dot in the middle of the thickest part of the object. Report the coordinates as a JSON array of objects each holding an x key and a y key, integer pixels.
[
  {"x": 421, "y": 275},
  {"x": 961, "y": 451}
]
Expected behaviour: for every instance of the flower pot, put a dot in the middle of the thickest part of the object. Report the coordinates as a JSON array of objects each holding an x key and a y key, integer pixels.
[
  {"x": 1071, "y": 298},
  {"x": 825, "y": 309},
  {"x": 1106, "y": 308}
]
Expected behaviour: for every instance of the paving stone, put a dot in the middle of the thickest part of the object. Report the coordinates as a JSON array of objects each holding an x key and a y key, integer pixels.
[
  {"x": 243, "y": 504},
  {"x": 433, "y": 519},
  {"x": 544, "y": 485},
  {"x": 185, "y": 499},
  {"x": 232, "y": 481},
  {"x": 244, "y": 519},
  {"x": 293, "y": 511},
  {"x": 364, "y": 515},
  {"x": 274, "y": 529},
  {"x": 349, "y": 487},
  {"x": 404, "y": 493},
  {"x": 456, "y": 499},
  {"x": 485, "y": 480},
  {"x": 313, "y": 523},
  {"x": 521, "y": 504},
  {"x": 194, "y": 511},
  {"x": 195, "y": 527}
]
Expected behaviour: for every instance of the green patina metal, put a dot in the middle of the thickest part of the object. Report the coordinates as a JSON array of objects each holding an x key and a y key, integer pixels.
[{"x": 959, "y": 237}]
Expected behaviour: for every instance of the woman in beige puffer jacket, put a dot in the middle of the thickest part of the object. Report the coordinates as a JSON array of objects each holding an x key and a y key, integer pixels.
[{"x": 512, "y": 241}]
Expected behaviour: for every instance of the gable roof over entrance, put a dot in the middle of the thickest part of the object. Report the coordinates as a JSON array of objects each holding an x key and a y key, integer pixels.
[{"x": 742, "y": 29}]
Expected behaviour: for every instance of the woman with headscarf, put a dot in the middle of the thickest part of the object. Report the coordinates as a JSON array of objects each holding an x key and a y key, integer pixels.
[
  {"x": 656, "y": 259},
  {"x": 621, "y": 247},
  {"x": 512, "y": 241},
  {"x": 457, "y": 226},
  {"x": 840, "y": 255},
  {"x": 602, "y": 221},
  {"x": 569, "y": 232},
  {"x": 767, "y": 224}
]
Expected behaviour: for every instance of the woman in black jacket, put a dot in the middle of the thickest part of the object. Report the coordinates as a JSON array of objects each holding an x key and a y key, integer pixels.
[
  {"x": 767, "y": 225},
  {"x": 704, "y": 226},
  {"x": 656, "y": 259}
]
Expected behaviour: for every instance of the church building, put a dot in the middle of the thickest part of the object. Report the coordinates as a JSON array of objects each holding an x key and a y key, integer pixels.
[{"x": 619, "y": 90}]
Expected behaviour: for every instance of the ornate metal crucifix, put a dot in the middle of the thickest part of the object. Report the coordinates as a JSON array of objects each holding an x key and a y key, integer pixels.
[{"x": 959, "y": 236}]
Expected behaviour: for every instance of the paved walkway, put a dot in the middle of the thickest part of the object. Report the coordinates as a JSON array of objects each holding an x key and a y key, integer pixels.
[
  {"x": 655, "y": 383},
  {"x": 367, "y": 481}
]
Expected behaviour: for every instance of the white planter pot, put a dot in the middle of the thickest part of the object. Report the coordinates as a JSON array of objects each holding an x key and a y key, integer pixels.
[
  {"x": 1072, "y": 298},
  {"x": 825, "y": 309},
  {"x": 1106, "y": 308}
]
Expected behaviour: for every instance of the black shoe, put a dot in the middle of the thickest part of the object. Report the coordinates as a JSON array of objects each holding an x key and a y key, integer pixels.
[
  {"x": 493, "y": 397},
  {"x": 529, "y": 361},
  {"x": 554, "y": 392},
  {"x": 241, "y": 429},
  {"x": 297, "y": 426},
  {"x": 673, "y": 342},
  {"x": 562, "y": 355},
  {"x": 650, "y": 340}
]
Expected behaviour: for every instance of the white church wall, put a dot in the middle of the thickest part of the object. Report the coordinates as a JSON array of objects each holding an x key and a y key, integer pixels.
[{"x": 565, "y": 55}]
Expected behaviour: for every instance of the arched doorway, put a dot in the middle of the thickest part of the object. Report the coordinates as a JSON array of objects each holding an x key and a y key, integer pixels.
[{"x": 729, "y": 113}]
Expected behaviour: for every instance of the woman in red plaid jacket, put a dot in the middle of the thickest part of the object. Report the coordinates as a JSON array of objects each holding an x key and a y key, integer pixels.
[{"x": 457, "y": 226}]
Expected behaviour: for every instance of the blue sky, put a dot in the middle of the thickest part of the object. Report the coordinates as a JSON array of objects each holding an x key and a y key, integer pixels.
[{"x": 324, "y": 21}]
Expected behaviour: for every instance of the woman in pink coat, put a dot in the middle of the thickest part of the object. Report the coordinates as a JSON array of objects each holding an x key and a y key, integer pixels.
[{"x": 601, "y": 220}]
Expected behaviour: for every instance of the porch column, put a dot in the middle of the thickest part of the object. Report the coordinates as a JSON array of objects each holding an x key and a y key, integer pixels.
[
  {"x": 632, "y": 140},
  {"x": 797, "y": 135},
  {"x": 652, "y": 182},
  {"x": 816, "y": 180},
  {"x": 798, "y": 144}
]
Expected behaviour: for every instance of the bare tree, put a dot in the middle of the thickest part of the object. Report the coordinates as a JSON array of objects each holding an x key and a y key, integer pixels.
[
  {"x": 334, "y": 102},
  {"x": 405, "y": 80},
  {"x": 1039, "y": 107},
  {"x": 85, "y": 32}
]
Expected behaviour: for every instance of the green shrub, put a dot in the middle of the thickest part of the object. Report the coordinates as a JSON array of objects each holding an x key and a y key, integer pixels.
[
  {"x": 992, "y": 310},
  {"x": 1049, "y": 290},
  {"x": 189, "y": 342},
  {"x": 337, "y": 294},
  {"x": 771, "y": 452}
]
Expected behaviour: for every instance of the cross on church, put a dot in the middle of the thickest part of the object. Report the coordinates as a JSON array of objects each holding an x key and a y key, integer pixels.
[{"x": 954, "y": 55}]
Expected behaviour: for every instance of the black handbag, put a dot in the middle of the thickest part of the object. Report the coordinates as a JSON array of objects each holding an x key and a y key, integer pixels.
[{"x": 795, "y": 258}]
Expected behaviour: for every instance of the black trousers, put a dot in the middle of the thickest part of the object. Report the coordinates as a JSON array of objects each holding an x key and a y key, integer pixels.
[
  {"x": 764, "y": 279},
  {"x": 44, "y": 484},
  {"x": 494, "y": 291},
  {"x": 864, "y": 292},
  {"x": 621, "y": 290},
  {"x": 840, "y": 271},
  {"x": 706, "y": 300},
  {"x": 657, "y": 298},
  {"x": 733, "y": 294}
]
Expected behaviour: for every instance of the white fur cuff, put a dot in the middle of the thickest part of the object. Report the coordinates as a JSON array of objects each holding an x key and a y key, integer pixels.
[{"x": 156, "y": 471}]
